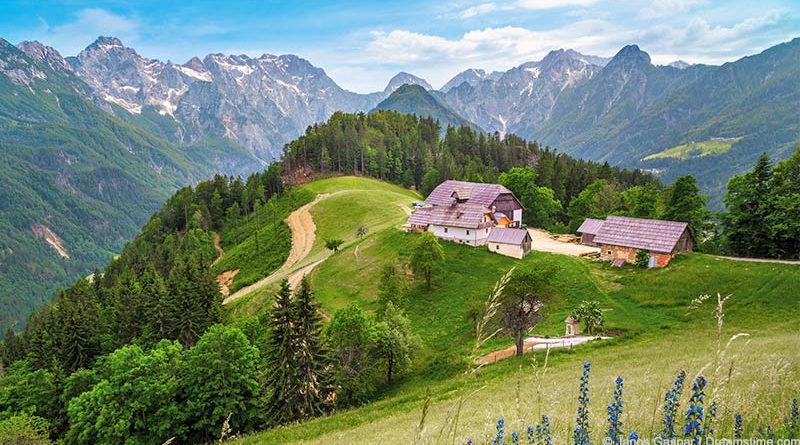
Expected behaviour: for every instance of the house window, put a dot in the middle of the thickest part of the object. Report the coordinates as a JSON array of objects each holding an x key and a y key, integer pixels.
[
  {"x": 486, "y": 230},
  {"x": 497, "y": 247},
  {"x": 467, "y": 232},
  {"x": 445, "y": 231},
  {"x": 609, "y": 252}
]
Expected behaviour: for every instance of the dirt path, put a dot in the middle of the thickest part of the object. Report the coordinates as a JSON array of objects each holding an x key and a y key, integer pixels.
[
  {"x": 303, "y": 235},
  {"x": 218, "y": 247},
  {"x": 759, "y": 260},
  {"x": 535, "y": 344},
  {"x": 543, "y": 242}
]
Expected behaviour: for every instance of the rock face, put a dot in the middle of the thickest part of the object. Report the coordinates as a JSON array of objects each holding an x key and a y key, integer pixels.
[
  {"x": 403, "y": 78},
  {"x": 522, "y": 98},
  {"x": 260, "y": 103}
]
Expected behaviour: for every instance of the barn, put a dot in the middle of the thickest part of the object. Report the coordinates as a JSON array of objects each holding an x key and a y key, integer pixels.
[
  {"x": 620, "y": 238},
  {"x": 588, "y": 230},
  {"x": 510, "y": 242}
]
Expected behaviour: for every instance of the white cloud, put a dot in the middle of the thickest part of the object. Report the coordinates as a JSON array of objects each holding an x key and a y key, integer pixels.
[
  {"x": 661, "y": 8},
  {"x": 87, "y": 24},
  {"x": 700, "y": 41},
  {"x": 552, "y": 4},
  {"x": 480, "y": 9},
  {"x": 488, "y": 7},
  {"x": 492, "y": 46}
]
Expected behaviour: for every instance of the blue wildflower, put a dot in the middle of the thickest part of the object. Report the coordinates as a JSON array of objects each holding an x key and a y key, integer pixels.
[
  {"x": 615, "y": 415},
  {"x": 711, "y": 417},
  {"x": 543, "y": 434},
  {"x": 633, "y": 439},
  {"x": 737, "y": 426},
  {"x": 672, "y": 401},
  {"x": 581, "y": 433},
  {"x": 794, "y": 420},
  {"x": 695, "y": 416},
  {"x": 531, "y": 435},
  {"x": 501, "y": 432},
  {"x": 514, "y": 438}
]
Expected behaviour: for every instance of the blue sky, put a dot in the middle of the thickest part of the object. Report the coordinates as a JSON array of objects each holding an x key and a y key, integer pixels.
[{"x": 363, "y": 44}]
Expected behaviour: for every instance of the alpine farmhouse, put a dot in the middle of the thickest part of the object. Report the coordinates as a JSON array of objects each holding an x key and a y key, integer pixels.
[{"x": 468, "y": 213}]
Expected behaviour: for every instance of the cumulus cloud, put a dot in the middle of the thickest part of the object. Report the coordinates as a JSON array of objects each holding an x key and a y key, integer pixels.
[{"x": 508, "y": 45}]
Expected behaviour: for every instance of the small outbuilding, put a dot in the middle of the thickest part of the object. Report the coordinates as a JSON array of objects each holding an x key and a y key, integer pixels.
[
  {"x": 589, "y": 229},
  {"x": 573, "y": 326},
  {"x": 620, "y": 238},
  {"x": 510, "y": 242}
]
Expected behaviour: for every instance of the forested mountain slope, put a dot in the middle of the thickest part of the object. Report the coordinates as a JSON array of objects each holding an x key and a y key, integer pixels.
[
  {"x": 75, "y": 182},
  {"x": 415, "y": 99}
]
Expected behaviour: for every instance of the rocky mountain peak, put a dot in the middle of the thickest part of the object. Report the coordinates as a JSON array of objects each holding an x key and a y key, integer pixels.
[
  {"x": 403, "y": 78},
  {"x": 44, "y": 54},
  {"x": 630, "y": 56},
  {"x": 195, "y": 63},
  {"x": 679, "y": 64},
  {"x": 105, "y": 43},
  {"x": 471, "y": 76}
]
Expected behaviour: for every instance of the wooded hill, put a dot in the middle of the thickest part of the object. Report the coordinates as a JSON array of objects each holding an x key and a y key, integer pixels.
[{"x": 411, "y": 151}]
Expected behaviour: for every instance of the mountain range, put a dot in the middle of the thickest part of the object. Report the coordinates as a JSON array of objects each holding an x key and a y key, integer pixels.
[{"x": 91, "y": 145}]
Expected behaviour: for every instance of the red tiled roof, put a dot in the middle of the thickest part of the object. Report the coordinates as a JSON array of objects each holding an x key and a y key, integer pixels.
[
  {"x": 649, "y": 234},
  {"x": 468, "y": 216},
  {"x": 507, "y": 236},
  {"x": 476, "y": 193},
  {"x": 590, "y": 226}
]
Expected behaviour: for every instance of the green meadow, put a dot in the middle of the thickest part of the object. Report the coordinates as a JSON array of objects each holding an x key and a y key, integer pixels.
[
  {"x": 695, "y": 149},
  {"x": 656, "y": 334}
]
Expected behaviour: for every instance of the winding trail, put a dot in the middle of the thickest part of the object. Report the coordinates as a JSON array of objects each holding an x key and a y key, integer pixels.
[
  {"x": 303, "y": 231},
  {"x": 218, "y": 247}
]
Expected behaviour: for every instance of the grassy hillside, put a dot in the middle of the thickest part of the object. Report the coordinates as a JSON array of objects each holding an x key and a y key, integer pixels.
[
  {"x": 695, "y": 149},
  {"x": 350, "y": 202},
  {"x": 648, "y": 307}
]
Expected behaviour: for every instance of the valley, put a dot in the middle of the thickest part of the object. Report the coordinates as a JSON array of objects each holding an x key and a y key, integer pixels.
[{"x": 250, "y": 223}]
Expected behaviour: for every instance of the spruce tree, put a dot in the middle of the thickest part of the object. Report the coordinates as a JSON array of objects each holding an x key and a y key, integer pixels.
[
  {"x": 282, "y": 405},
  {"x": 310, "y": 360},
  {"x": 155, "y": 299}
]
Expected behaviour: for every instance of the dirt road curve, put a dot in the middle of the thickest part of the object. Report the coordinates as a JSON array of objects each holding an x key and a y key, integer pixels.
[
  {"x": 543, "y": 243},
  {"x": 303, "y": 235}
]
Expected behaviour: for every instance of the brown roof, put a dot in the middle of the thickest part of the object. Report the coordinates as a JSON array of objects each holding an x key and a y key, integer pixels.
[
  {"x": 468, "y": 216},
  {"x": 649, "y": 234},
  {"x": 508, "y": 236},
  {"x": 590, "y": 226},
  {"x": 475, "y": 192}
]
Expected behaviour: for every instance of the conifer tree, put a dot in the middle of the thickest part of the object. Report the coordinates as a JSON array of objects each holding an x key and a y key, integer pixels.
[
  {"x": 156, "y": 300},
  {"x": 77, "y": 326},
  {"x": 310, "y": 360},
  {"x": 281, "y": 371}
]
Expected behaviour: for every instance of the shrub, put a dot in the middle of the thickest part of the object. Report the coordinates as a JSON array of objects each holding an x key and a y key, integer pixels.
[{"x": 642, "y": 259}]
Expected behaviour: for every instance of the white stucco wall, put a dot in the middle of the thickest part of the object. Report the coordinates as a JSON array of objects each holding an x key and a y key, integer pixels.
[
  {"x": 507, "y": 250},
  {"x": 471, "y": 237}
]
